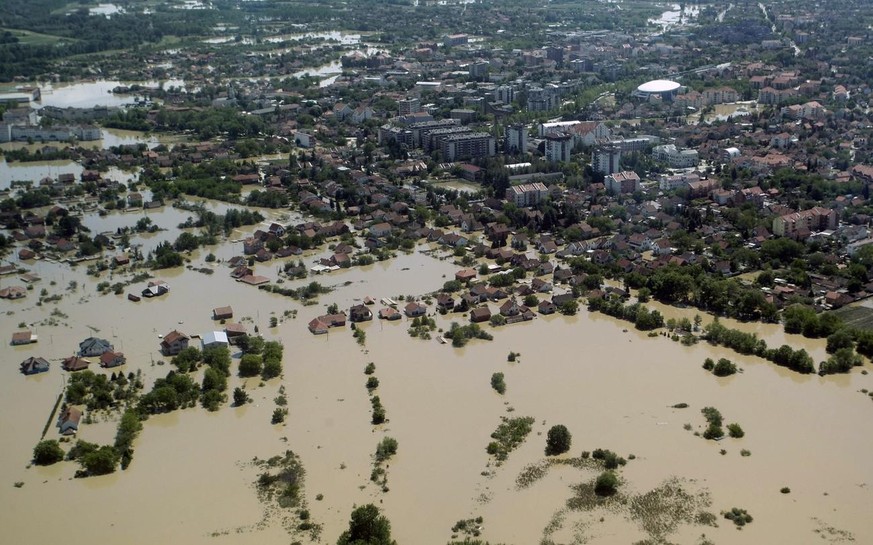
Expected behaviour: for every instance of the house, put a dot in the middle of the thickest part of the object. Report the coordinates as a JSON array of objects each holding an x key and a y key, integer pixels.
[
  {"x": 32, "y": 366},
  {"x": 74, "y": 363},
  {"x": 480, "y": 314},
  {"x": 23, "y": 337},
  {"x": 112, "y": 359},
  {"x": 156, "y": 288},
  {"x": 465, "y": 275},
  {"x": 68, "y": 422},
  {"x": 13, "y": 292},
  {"x": 317, "y": 327},
  {"x": 510, "y": 308},
  {"x": 547, "y": 307},
  {"x": 214, "y": 339},
  {"x": 234, "y": 330},
  {"x": 414, "y": 309},
  {"x": 174, "y": 342},
  {"x": 445, "y": 301},
  {"x": 222, "y": 313},
  {"x": 360, "y": 313},
  {"x": 334, "y": 320},
  {"x": 389, "y": 313},
  {"x": 92, "y": 346}
]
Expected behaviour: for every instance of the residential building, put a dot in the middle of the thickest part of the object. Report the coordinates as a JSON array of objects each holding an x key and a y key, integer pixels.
[
  {"x": 626, "y": 181},
  {"x": 558, "y": 147},
  {"x": 674, "y": 157},
  {"x": 469, "y": 145},
  {"x": 606, "y": 158},
  {"x": 527, "y": 194},
  {"x": 515, "y": 139},
  {"x": 802, "y": 224}
]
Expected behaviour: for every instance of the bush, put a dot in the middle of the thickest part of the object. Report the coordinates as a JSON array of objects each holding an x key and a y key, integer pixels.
[
  {"x": 785, "y": 490},
  {"x": 386, "y": 448},
  {"x": 250, "y": 365},
  {"x": 272, "y": 369},
  {"x": 101, "y": 461},
  {"x": 724, "y": 368},
  {"x": 738, "y": 516},
  {"x": 734, "y": 430},
  {"x": 708, "y": 364},
  {"x": 370, "y": 368},
  {"x": 498, "y": 383},
  {"x": 558, "y": 440},
  {"x": 279, "y": 415},
  {"x": 606, "y": 484},
  {"x": 372, "y": 383},
  {"x": 240, "y": 397},
  {"x": 47, "y": 452}
]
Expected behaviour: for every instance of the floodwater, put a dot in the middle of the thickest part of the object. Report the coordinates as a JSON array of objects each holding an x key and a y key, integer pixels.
[
  {"x": 613, "y": 387},
  {"x": 37, "y": 170}
]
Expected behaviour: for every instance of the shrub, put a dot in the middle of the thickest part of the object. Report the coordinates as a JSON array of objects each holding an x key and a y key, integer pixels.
[
  {"x": 724, "y": 368},
  {"x": 250, "y": 365},
  {"x": 386, "y": 448},
  {"x": 734, "y": 430},
  {"x": 372, "y": 383},
  {"x": 606, "y": 484},
  {"x": 240, "y": 397},
  {"x": 47, "y": 452},
  {"x": 558, "y": 440},
  {"x": 279, "y": 415},
  {"x": 738, "y": 516},
  {"x": 498, "y": 383},
  {"x": 370, "y": 368},
  {"x": 708, "y": 364},
  {"x": 785, "y": 490}
]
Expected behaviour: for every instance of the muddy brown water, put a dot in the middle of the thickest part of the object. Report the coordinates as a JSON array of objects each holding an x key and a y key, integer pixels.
[{"x": 613, "y": 387}]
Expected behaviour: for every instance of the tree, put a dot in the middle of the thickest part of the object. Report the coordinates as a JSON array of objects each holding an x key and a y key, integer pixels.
[
  {"x": 272, "y": 368},
  {"x": 240, "y": 397},
  {"x": 558, "y": 440},
  {"x": 606, "y": 484},
  {"x": 367, "y": 527},
  {"x": 47, "y": 452},
  {"x": 250, "y": 365},
  {"x": 100, "y": 462}
]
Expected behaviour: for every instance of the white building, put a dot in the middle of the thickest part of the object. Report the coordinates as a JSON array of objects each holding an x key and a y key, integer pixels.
[
  {"x": 214, "y": 338},
  {"x": 606, "y": 158},
  {"x": 674, "y": 157},
  {"x": 527, "y": 194}
]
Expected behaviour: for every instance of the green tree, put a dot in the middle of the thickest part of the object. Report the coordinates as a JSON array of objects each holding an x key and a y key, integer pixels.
[
  {"x": 558, "y": 440},
  {"x": 606, "y": 484},
  {"x": 272, "y": 368},
  {"x": 386, "y": 448},
  {"x": 214, "y": 380},
  {"x": 367, "y": 527},
  {"x": 240, "y": 397},
  {"x": 47, "y": 452},
  {"x": 250, "y": 365},
  {"x": 101, "y": 461}
]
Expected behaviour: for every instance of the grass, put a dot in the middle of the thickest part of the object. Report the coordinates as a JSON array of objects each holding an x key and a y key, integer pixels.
[{"x": 26, "y": 37}]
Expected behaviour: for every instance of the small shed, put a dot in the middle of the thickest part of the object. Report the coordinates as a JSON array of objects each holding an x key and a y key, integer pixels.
[{"x": 222, "y": 313}]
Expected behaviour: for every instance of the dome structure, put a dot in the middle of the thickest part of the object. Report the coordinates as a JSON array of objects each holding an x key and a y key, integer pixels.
[{"x": 665, "y": 89}]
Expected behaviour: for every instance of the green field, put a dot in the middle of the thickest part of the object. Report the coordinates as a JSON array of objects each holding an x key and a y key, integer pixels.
[
  {"x": 860, "y": 317},
  {"x": 27, "y": 37}
]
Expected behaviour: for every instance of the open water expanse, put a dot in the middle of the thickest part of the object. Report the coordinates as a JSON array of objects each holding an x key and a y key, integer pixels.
[{"x": 612, "y": 386}]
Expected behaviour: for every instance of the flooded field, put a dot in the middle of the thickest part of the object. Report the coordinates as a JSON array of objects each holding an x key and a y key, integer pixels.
[{"x": 191, "y": 480}]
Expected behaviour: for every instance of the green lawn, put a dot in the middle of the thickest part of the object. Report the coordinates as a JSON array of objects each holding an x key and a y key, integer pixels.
[{"x": 27, "y": 37}]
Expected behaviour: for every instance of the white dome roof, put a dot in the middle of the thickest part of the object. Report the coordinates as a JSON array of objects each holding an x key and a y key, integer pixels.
[{"x": 658, "y": 86}]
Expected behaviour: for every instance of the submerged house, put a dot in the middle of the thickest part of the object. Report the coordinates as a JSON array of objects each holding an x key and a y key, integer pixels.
[
  {"x": 68, "y": 422},
  {"x": 112, "y": 359},
  {"x": 222, "y": 313},
  {"x": 23, "y": 337},
  {"x": 92, "y": 347},
  {"x": 215, "y": 339},
  {"x": 75, "y": 363},
  {"x": 174, "y": 342},
  {"x": 32, "y": 366}
]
